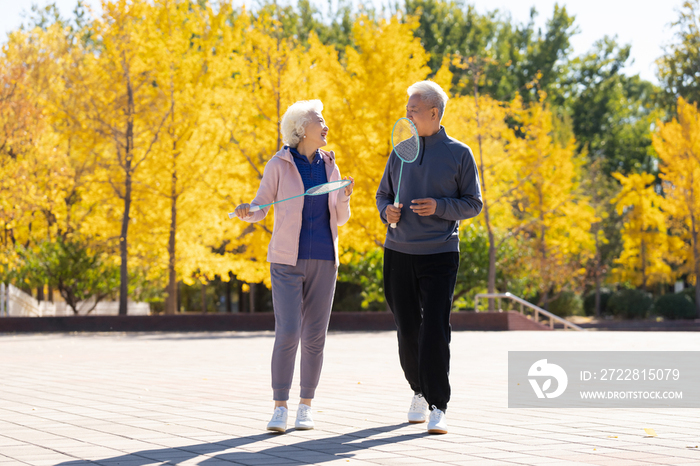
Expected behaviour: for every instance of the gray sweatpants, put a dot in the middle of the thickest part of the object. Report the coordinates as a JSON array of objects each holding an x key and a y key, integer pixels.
[{"x": 302, "y": 296}]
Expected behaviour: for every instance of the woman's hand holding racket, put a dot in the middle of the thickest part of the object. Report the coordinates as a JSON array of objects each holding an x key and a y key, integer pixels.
[
  {"x": 348, "y": 188},
  {"x": 242, "y": 211}
]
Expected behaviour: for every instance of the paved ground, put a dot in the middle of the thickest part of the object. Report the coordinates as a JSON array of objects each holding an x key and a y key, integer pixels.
[{"x": 204, "y": 398}]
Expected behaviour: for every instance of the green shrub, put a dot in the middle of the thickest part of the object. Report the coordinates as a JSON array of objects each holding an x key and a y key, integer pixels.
[
  {"x": 630, "y": 304},
  {"x": 690, "y": 292},
  {"x": 675, "y": 306},
  {"x": 566, "y": 304},
  {"x": 589, "y": 302}
]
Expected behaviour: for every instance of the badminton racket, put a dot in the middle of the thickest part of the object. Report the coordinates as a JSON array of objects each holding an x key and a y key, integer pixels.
[
  {"x": 317, "y": 190},
  {"x": 404, "y": 139}
]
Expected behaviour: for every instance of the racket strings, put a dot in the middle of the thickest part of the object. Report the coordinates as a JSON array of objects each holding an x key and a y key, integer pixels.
[
  {"x": 405, "y": 140},
  {"x": 327, "y": 187}
]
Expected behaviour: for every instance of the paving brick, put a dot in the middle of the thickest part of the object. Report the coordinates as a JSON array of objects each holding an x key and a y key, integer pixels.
[{"x": 204, "y": 398}]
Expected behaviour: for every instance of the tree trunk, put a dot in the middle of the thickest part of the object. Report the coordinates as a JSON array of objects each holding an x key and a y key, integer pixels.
[
  {"x": 171, "y": 301},
  {"x": 251, "y": 308},
  {"x": 128, "y": 156},
  {"x": 544, "y": 301},
  {"x": 695, "y": 237},
  {"x": 597, "y": 295},
  {"x": 241, "y": 297},
  {"x": 644, "y": 264},
  {"x": 229, "y": 304},
  {"x": 179, "y": 297},
  {"x": 492, "y": 245},
  {"x": 204, "y": 298},
  {"x": 596, "y": 273}
]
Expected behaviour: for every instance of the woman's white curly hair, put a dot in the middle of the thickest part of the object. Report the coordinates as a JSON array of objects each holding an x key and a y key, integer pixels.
[{"x": 295, "y": 119}]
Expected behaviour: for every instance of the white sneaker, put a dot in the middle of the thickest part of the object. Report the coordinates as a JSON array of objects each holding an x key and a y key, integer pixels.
[
  {"x": 304, "y": 420},
  {"x": 437, "y": 423},
  {"x": 418, "y": 411},
  {"x": 278, "y": 423}
]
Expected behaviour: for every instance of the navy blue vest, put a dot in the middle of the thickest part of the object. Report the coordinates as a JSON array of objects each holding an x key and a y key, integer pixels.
[{"x": 315, "y": 239}]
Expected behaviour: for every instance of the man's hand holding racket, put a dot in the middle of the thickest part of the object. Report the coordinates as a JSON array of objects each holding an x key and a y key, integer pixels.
[
  {"x": 405, "y": 142},
  {"x": 393, "y": 213}
]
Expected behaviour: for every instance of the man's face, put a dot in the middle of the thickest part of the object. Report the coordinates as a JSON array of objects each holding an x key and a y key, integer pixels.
[{"x": 422, "y": 115}]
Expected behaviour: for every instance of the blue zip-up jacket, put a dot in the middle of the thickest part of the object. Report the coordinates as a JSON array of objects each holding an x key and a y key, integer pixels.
[{"x": 445, "y": 171}]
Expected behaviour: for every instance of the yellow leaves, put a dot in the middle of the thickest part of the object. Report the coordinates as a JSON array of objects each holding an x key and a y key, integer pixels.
[
  {"x": 678, "y": 145},
  {"x": 556, "y": 215},
  {"x": 207, "y": 91},
  {"x": 645, "y": 259}
]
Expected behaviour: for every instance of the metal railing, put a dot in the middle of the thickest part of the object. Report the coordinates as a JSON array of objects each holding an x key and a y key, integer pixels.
[{"x": 526, "y": 304}]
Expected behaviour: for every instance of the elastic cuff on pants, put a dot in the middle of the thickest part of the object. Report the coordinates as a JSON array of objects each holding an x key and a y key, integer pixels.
[
  {"x": 281, "y": 394},
  {"x": 307, "y": 392}
]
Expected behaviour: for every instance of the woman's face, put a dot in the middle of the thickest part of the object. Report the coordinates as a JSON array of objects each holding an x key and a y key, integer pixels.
[{"x": 316, "y": 130}]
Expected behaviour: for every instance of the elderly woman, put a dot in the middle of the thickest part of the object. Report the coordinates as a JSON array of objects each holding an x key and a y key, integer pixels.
[{"x": 303, "y": 253}]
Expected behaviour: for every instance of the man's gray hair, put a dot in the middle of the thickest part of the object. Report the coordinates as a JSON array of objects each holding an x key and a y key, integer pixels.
[
  {"x": 295, "y": 119},
  {"x": 431, "y": 93}
]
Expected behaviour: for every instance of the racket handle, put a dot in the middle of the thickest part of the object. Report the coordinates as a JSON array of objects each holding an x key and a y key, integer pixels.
[
  {"x": 396, "y": 204},
  {"x": 254, "y": 208}
]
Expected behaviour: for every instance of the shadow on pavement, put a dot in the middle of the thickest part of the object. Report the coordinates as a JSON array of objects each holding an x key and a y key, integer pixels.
[{"x": 295, "y": 454}]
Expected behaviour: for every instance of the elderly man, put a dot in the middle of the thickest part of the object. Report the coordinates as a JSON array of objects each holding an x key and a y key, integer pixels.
[{"x": 421, "y": 255}]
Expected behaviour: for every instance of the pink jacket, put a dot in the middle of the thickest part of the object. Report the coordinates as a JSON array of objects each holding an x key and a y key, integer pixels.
[{"x": 282, "y": 180}]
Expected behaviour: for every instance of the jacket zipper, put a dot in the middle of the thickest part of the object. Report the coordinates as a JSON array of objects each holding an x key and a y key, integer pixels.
[{"x": 422, "y": 152}]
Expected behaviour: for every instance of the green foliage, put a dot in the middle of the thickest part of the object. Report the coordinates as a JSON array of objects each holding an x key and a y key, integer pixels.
[
  {"x": 630, "y": 304},
  {"x": 72, "y": 267},
  {"x": 675, "y": 306},
  {"x": 567, "y": 303},
  {"x": 522, "y": 59},
  {"x": 366, "y": 271},
  {"x": 679, "y": 65},
  {"x": 298, "y": 22},
  {"x": 589, "y": 302},
  {"x": 473, "y": 258},
  {"x": 146, "y": 287},
  {"x": 611, "y": 113},
  {"x": 472, "y": 277}
]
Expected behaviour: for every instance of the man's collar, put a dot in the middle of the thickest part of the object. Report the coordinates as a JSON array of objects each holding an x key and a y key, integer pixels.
[{"x": 435, "y": 138}]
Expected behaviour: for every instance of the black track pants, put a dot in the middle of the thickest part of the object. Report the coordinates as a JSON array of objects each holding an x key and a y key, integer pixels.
[{"x": 419, "y": 291}]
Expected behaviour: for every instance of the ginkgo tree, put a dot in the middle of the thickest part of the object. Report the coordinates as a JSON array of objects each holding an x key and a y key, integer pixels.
[
  {"x": 678, "y": 145},
  {"x": 481, "y": 122},
  {"x": 554, "y": 216},
  {"x": 644, "y": 259},
  {"x": 147, "y": 126}
]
